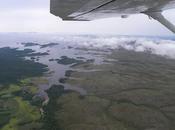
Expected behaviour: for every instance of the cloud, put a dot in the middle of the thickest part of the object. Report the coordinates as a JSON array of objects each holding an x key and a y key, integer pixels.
[
  {"x": 158, "y": 46},
  {"x": 139, "y": 44}
]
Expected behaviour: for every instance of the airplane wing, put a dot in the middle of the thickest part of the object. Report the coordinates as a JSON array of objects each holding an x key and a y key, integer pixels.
[{"x": 95, "y": 9}]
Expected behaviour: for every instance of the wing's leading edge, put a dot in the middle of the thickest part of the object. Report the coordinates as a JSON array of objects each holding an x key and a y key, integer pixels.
[{"x": 96, "y": 9}]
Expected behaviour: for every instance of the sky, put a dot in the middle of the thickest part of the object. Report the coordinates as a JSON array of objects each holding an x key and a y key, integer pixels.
[{"x": 34, "y": 16}]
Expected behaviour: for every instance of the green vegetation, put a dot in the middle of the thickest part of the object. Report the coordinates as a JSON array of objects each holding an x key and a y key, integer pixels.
[
  {"x": 62, "y": 80},
  {"x": 28, "y": 44},
  {"x": 129, "y": 91},
  {"x": 48, "y": 45},
  {"x": 68, "y": 61},
  {"x": 34, "y": 80},
  {"x": 50, "y": 122},
  {"x": 133, "y": 91},
  {"x": 14, "y": 67},
  {"x": 9, "y": 90},
  {"x": 18, "y": 87},
  {"x": 38, "y": 54},
  {"x": 68, "y": 73},
  {"x": 24, "y": 114},
  {"x": 16, "y": 110}
]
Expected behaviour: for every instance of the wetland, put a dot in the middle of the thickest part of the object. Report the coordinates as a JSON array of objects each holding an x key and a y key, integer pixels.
[{"x": 86, "y": 83}]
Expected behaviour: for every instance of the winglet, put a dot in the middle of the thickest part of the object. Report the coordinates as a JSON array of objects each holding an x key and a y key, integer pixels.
[{"x": 159, "y": 17}]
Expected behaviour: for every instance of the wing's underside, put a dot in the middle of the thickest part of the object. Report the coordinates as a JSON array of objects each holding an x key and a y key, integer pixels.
[{"x": 95, "y": 9}]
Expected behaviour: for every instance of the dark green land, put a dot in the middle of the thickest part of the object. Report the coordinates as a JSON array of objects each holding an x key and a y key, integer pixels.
[
  {"x": 68, "y": 61},
  {"x": 48, "y": 45},
  {"x": 129, "y": 91},
  {"x": 29, "y": 44},
  {"x": 13, "y": 66},
  {"x": 18, "y": 109},
  {"x": 133, "y": 91}
]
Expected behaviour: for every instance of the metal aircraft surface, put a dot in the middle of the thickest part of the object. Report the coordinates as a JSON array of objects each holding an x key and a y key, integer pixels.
[{"x": 95, "y": 9}]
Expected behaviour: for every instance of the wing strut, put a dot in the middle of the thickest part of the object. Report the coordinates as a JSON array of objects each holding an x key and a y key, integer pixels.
[{"x": 159, "y": 17}]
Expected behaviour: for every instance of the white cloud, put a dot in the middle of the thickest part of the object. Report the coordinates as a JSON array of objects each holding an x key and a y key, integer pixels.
[{"x": 140, "y": 44}]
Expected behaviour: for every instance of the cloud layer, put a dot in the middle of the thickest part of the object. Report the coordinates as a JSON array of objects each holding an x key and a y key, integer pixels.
[
  {"x": 160, "y": 46},
  {"x": 157, "y": 46}
]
